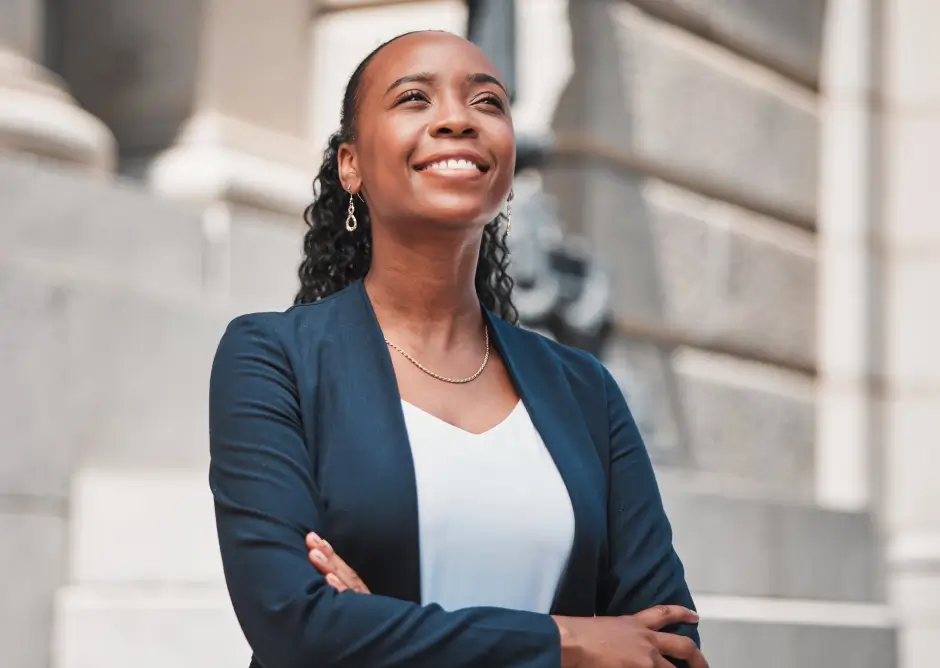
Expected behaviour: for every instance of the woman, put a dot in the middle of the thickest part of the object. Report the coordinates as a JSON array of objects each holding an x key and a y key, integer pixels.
[{"x": 489, "y": 486}]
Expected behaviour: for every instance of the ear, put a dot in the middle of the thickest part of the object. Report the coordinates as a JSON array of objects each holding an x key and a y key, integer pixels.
[{"x": 348, "y": 166}]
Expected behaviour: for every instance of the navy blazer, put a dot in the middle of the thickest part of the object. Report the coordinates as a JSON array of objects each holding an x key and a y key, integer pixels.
[{"x": 307, "y": 434}]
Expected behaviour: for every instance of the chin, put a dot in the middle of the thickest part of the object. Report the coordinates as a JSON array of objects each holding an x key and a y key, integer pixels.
[
  {"x": 458, "y": 218},
  {"x": 459, "y": 211}
]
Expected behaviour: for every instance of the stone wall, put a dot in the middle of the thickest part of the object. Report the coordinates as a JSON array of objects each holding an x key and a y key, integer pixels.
[
  {"x": 698, "y": 191},
  {"x": 113, "y": 301}
]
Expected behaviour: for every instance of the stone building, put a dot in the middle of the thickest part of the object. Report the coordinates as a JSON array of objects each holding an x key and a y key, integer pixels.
[{"x": 757, "y": 177}]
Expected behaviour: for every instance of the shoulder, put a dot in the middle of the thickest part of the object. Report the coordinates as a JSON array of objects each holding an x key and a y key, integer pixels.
[
  {"x": 582, "y": 370},
  {"x": 571, "y": 359},
  {"x": 299, "y": 325},
  {"x": 275, "y": 353}
]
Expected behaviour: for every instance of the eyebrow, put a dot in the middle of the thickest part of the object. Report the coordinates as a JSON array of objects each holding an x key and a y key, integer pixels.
[{"x": 429, "y": 79}]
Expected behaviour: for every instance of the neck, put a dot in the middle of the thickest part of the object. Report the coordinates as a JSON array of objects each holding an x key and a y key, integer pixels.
[{"x": 424, "y": 288}]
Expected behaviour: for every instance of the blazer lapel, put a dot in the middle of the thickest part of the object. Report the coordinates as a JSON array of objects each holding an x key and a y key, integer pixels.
[
  {"x": 378, "y": 507},
  {"x": 556, "y": 415}
]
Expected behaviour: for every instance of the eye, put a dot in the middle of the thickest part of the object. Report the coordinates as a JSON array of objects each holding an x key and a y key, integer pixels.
[
  {"x": 411, "y": 96},
  {"x": 492, "y": 100}
]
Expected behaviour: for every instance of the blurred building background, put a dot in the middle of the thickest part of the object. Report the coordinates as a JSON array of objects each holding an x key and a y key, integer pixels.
[{"x": 757, "y": 178}]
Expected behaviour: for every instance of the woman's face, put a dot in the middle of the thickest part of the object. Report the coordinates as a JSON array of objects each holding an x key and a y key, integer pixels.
[{"x": 434, "y": 138}]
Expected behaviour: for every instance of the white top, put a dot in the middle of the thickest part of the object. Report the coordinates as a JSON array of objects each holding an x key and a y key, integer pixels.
[{"x": 495, "y": 520}]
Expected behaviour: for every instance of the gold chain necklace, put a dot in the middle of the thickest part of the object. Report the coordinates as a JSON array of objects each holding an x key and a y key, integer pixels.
[{"x": 456, "y": 381}]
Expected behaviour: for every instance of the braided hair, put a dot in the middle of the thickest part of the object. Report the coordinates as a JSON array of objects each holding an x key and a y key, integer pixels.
[{"x": 334, "y": 258}]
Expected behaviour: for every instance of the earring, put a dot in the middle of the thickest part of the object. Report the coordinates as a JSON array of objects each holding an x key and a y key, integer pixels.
[
  {"x": 351, "y": 222},
  {"x": 509, "y": 213}
]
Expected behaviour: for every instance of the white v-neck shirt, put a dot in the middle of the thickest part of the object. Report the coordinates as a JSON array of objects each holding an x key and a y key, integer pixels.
[{"x": 495, "y": 520}]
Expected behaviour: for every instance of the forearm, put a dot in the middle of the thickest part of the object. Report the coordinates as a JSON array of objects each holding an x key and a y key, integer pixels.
[{"x": 326, "y": 629}]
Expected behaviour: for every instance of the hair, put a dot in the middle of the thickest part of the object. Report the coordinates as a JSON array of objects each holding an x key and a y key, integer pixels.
[{"x": 335, "y": 258}]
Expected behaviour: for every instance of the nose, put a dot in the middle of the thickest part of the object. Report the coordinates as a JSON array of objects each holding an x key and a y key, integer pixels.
[{"x": 453, "y": 120}]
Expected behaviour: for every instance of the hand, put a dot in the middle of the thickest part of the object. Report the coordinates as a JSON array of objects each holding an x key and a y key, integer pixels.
[
  {"x": 633, "y": 641},
  {"x": 337, "y": 572}
]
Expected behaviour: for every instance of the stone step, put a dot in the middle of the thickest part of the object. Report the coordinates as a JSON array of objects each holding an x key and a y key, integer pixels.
[
  {"x": 733, "y": 644},
  {"x": 743, "y": 632},
  {"x": 748, "y": 546},
  {"x": 190, "y": 626},
  {"x": 146, "y": 626},
  {"x": 143, "y": 526}
]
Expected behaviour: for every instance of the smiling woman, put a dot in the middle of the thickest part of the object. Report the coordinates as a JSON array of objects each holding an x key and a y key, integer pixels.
[{"x": 402, "y": 477}]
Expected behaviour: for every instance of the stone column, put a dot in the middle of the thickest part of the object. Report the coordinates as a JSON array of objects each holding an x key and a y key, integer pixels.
[
  {"x": 37, "y": 115},
  {"x": 911, "y": 243},
  {"x": 846, "y": 426},
  {"x": 208, "y": 98}
]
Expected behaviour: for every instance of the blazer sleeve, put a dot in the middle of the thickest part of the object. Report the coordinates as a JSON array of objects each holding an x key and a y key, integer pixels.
[
  {"x": 644, "y": 569},
  {"x": 266, "y": 501}
]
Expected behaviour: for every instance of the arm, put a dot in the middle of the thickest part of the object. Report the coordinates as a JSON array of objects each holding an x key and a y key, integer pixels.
[
  {"x": 644, "y": 569},
  {"x": 266, "y": 501}
]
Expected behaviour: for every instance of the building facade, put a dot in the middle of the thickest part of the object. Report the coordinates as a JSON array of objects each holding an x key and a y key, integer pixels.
[{"x": 755, "y": 178}]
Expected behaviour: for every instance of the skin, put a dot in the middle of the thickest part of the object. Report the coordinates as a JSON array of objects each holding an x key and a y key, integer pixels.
[{"x": 427, "y": 97}]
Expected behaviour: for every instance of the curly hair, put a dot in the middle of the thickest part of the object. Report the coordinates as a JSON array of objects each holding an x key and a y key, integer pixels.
[{"x": 334, "y": 258}]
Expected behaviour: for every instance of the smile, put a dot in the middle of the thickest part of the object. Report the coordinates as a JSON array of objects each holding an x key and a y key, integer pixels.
[{"x": 452, "y": 165}]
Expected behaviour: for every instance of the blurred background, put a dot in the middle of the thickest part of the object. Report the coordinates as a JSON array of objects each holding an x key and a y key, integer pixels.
[{"x": 734, "y": 203}]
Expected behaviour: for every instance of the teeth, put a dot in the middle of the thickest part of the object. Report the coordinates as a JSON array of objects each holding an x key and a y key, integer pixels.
[{"x": 453, "y": 164}]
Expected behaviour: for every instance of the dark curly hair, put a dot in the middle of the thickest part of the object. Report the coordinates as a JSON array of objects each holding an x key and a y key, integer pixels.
[{"x": 335, "y": 258}]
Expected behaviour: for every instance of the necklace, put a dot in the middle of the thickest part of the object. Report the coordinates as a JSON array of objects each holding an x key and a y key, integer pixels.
[{"x": 456, "y": 381}]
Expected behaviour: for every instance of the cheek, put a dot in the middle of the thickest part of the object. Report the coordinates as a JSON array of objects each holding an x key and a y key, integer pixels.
[
  {"x": 401, "y": 134},
  {"x": 389, "y": 148},
  {"x": 506, "y": 139},
  {"x": 507, "y": 155},
  {"x": 503, "y": 145}
]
